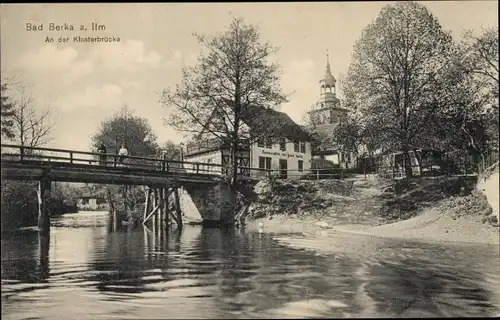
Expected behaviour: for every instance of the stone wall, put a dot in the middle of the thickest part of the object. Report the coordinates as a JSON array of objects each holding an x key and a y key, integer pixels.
[{"x": 211, "y": 204}]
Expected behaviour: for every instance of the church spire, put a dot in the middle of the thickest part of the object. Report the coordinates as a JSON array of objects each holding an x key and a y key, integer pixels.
[
  {"x": 328, "y": 71},
  {"x": 328, "y": 82}
]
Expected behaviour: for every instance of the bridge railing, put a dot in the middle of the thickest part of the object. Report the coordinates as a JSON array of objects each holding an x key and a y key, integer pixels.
[
  {"x": 28, "y": 154},
  {"x": 304, "y": 174}
]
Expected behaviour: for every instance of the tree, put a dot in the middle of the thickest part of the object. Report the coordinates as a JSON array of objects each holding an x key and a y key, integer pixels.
[
  {"x": 32, "y": 125},
  {"x": 171, "y": 150},
  {"x": 7, "y": 112},
  {"x": 138, "y": 136},
  {"x": 125, "y": 128},
  {"x": 480, "y": 62},
  {"x": 216, "y": 94},
  {"x": 481, "y": 58},
  {"x": 28, "y": 126},
  {"x": 392, "y": 79}
]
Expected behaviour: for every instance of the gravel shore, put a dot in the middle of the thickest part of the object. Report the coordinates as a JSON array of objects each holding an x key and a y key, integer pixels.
[
  {"x": 456, "y": 219},
  {"x": 428, "y": 226}
]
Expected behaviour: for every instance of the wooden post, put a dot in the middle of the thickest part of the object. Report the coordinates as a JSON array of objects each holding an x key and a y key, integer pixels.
[
  {"x": 160, "y": 209},
  {"x": 146, "y": 205},
  {"x": 155, "y": 202},
  {"x": 124, "y": 195},
  {"x": 166, "y": 207},
  {"x": 43, "y": 255},
  {"x": 178, "y": 208},
  {"x": 115, "y": 220},
  {"x": 43, "y": 208}
]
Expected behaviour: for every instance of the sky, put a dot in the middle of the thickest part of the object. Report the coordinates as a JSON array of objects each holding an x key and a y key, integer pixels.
[{"x": 84, "y": 83}]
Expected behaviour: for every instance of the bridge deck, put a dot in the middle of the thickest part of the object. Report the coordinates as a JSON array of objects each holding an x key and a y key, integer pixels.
[
  {"x": 32, "y": 163},
  {"x": 28, "y": 163},
  {"x": 65, "y": 172}
]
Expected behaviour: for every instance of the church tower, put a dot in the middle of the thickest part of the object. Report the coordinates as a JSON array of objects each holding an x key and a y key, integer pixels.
[
  {"x": 327, "y": 112},
  {"x": 324, "y": 116}
]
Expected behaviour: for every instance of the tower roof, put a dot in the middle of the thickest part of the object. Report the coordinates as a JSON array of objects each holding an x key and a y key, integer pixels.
[{"x": 328, "y": 80}]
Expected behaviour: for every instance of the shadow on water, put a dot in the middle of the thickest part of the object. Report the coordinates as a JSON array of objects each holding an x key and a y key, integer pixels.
[
  {"x": 216, "y": 273},
  {"x": 25, "y": 256}
]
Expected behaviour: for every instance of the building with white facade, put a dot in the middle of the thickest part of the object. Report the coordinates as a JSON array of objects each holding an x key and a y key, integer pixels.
[{"x": 279, "y": 145}]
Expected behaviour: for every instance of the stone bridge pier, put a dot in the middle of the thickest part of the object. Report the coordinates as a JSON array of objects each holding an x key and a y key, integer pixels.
[{"x": 209, "y": 204}]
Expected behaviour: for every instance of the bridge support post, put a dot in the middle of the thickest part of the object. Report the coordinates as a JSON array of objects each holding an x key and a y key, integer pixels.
[
  {"x": 146, "y": 205},
  {"x": 165, "y": 217},
  {"x": 158, "y": 212},
  {"x": 156, "y": 205},
  {"x": 178, "y": 208},
  {"x": 154, "y": 213},
  {"x": 43, "y": 208},
  {"x": 161, "y": 210}
]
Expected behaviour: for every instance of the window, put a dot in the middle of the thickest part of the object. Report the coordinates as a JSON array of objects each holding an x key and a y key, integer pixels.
[
  {"x": 303, "y": 147},
  {"x": 269, "y": 143},
  {"x": 296, "y": 146},
  {"x": 301, "y": 165},
  {"x": 260, "y": 142},
  {"x": 264, "y": 163},
  {"x": 283, "y": 144}
]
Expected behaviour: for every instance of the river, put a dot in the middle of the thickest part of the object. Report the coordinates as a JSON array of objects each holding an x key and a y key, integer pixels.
[{"x": 87, "y": 270}]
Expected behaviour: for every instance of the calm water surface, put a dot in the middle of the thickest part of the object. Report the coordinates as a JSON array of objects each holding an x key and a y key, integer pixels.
[{"x": 87, "y": 270}]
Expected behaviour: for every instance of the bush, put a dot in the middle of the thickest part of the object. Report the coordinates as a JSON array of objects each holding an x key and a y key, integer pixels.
[
  {"x": 404, "y": 198},
  {"x": 19, "y": 205}
]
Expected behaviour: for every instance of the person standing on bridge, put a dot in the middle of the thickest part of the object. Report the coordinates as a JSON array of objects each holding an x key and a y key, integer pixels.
[
  {"x": 122, "y": 153},
  {"x": 102, "y": 156}
]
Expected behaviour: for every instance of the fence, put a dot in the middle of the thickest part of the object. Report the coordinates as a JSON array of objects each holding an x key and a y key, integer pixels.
[
  {"x": 465, "y": 165},
  {"x": 14, "y": 153}
]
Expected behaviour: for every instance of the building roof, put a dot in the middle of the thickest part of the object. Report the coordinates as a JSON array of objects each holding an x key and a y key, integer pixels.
[
  {"x": 272, "y": 123},
  {"x": 328, "y": 80}
]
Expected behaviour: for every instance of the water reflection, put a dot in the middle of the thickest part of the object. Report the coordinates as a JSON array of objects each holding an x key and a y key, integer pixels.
[
  {"x": 25, "y": 257},
  {"x": 102, "y": 271}
]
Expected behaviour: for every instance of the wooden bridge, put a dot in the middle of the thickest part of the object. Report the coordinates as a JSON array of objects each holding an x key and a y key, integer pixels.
[
  {"x": 29, "y": 163},
  {"x": 162, "y": 176}
]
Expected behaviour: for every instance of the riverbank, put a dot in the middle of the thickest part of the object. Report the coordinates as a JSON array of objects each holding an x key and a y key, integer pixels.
[
  {"x": 430, "y": 226},
  {"x": 459, "y": 218}
]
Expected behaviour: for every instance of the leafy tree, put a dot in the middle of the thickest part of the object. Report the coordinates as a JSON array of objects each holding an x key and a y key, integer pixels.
[
  {"x": 480, "y": 62},
  {"x": 393, "y": 76},
  {"x": 138, "y": 136},
  {"x": 171, "y": 150},
  {"x": 215, "y": 95},
  {"x": 125, "y": 128}
]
